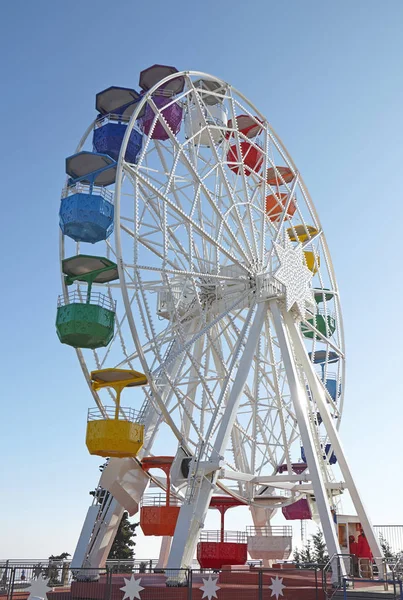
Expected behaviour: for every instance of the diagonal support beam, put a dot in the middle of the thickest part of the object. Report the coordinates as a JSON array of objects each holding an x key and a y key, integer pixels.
[
  {"x": 320, "y": 399},
  {"x": 193, "y": 512},
  {"x": 300, "y": 402}
]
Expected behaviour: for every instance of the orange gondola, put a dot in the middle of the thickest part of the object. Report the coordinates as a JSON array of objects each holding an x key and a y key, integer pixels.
[
  {"x": 279, "y": 175},
  {"x": 275, "y": 205},
  {"x": 158, "y": 514}
]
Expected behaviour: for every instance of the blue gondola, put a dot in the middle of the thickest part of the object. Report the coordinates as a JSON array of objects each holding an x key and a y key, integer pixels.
[
  {"x": 115, "y": 106},
  {"x": 332, "y": 459},
  {"x": 331, "y": 386},
  {"x": 86, "y": 211}
]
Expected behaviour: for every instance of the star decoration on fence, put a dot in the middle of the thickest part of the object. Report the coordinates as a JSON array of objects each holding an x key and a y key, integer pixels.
[
  {"x": 132, "y": 588},
  {"x": 210, "y": 588},
  {"x": 277, "y": 586},
  {"x": 38, "y": 588},
  {"x": 294, "y": 275}
]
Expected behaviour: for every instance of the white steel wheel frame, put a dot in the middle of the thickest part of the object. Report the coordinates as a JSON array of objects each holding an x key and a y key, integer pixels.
[
  {"x": 236, "y": 238},
  {"x": 252, "y": 187},
  {"x": 118, "y": 252}
]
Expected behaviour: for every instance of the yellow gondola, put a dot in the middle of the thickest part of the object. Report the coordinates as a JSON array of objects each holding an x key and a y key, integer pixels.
[
  {"x": 115, "y": 431},
  {"x": 302, "y": 233},
  {"x": 312, "y": 261}
]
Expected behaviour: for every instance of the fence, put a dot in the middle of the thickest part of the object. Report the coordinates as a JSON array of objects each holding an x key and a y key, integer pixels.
[
  {"x": 393, "y": 534},
  {"x": 57, "y": 581}
]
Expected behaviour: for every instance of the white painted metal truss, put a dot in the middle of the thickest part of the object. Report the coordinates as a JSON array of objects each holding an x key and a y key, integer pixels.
[{"x": 200, "y": 311}]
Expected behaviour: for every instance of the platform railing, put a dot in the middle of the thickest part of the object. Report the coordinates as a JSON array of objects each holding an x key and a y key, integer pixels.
[
  {"x": 344, "y": 570},
  {"x": 85, "y": 188},
  {"x": 114, "y": 117},
  {"x": 334, "y": 571},
  {"x": 158, "y": 500},
  {"x": 168, "y": 299},
  {"x": 397, "y": 567},
  {"x": 109, "y": 412},
  {"x": 95, "y": 298},
  {"x": 394, "y": 586},
  {"x": 330, "y": 375},
  {"x": 324, "y": 312},
  {"x": 162, "y": 91},
  {"x": 216, "y": 535},
  {"x": 275, "y": 530}
]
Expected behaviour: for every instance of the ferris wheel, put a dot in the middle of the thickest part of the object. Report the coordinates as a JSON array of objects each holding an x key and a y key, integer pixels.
[{"x": 189, "y": 232}]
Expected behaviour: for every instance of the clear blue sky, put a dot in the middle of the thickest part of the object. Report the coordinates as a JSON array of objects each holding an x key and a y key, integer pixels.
[{"x": 328, "y": 75}]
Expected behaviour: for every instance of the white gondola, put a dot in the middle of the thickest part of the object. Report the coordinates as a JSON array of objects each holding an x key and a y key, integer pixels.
[{"x": 197, "y": 119}]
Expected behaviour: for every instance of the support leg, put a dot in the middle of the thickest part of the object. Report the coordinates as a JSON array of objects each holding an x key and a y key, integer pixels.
[
  {"x": 193, "y": 512},
  {"x": 164, "y": 552},
  {"x": 320, "y": 399},
  {"x": 299, "y": 399}
]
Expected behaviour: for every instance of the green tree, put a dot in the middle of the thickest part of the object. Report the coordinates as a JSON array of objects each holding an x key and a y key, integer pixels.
[
  {"x": 123, "y": 544},
  {"x": 297, "y": 557},
  {"x": 305, "y": 555},
  {"x": 386, "y": 548},
  {"x": 314, "y": 550},
  {"x": 319, "y": 548},
  {"x": 122, "y": 547}
]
